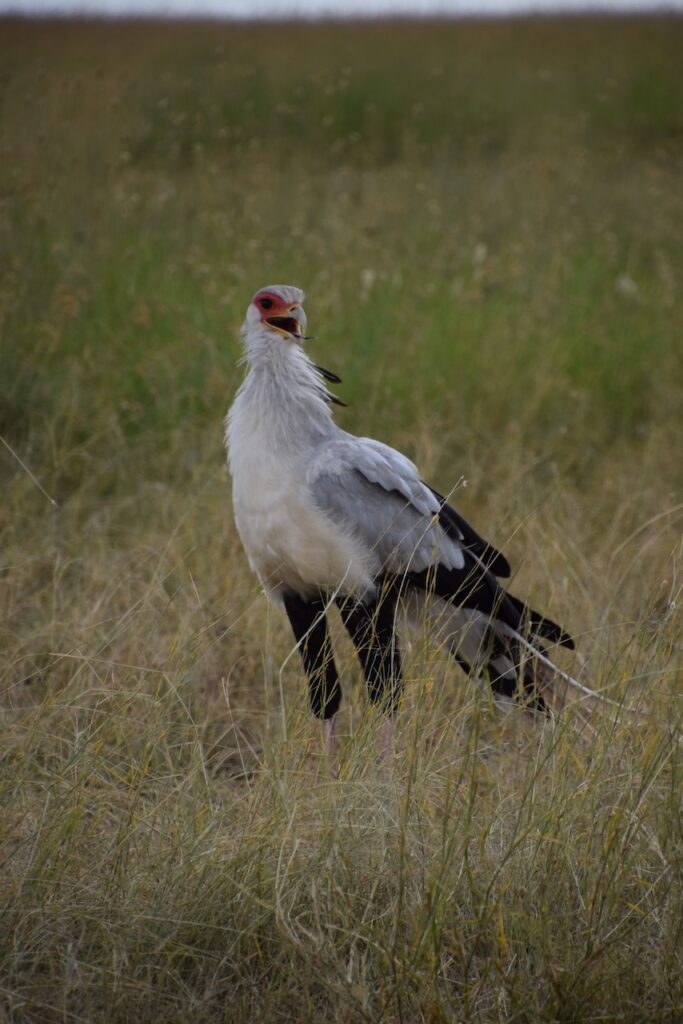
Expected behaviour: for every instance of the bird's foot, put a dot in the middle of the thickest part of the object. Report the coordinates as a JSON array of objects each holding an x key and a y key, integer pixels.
[
  {"x": 329, "y": 731},
  {"x": 329, "y": 744},
  {"x": 386, "y": 751}
]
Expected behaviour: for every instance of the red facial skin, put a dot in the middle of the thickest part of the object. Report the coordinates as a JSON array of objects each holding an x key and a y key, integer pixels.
[{"x": 269, "y": 304}]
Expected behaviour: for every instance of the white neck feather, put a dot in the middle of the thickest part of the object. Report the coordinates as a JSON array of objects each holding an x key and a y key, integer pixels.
[{"x": 282, "y": 397}]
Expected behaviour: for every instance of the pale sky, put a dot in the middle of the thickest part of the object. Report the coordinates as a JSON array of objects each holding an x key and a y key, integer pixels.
[{"x": 316, "y": 8}]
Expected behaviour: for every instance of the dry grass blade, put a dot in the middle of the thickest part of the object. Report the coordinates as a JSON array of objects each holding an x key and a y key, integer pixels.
[{"x": 486, "y": 218}]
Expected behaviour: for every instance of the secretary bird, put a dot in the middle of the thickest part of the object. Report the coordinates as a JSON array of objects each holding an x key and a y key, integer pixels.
[{"x": 326, "y": 517}]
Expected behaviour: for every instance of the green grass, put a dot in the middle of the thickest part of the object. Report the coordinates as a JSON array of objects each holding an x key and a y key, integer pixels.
[{"x": 486, "y": 218}]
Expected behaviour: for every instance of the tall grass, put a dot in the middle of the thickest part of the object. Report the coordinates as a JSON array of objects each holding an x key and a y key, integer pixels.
[{"x": 486, "y": 218}]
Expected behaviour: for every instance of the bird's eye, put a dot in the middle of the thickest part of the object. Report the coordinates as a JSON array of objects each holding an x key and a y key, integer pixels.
[{"x": 266, "y": 303}]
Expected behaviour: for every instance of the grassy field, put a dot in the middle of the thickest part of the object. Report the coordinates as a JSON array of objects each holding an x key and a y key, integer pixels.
[{"x": 487, "y": 220}]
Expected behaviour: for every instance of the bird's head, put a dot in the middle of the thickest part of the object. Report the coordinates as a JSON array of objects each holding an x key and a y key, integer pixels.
[{"x": 276, "y": 312}]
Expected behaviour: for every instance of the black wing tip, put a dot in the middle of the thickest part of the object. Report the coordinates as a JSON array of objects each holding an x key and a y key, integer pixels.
[
  {"x": 498, "y": 564},
  {"x": 550, "y": 630},
  {"x": 538, "y": 625},
  {"x": 555, "y": 634},
  {"x": 494, "y": 561}
]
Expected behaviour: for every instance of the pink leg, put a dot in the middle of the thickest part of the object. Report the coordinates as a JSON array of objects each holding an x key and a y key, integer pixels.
[
  {"x": 387, "y": 739},
  {"x": 328, "y": 736}
]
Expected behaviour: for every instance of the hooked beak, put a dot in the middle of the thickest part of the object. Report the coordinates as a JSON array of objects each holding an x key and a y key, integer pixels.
[{"x": 289, "y": 325}]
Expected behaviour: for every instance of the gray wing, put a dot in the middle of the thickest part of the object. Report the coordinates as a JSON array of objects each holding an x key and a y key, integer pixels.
[{"x": 375, "y": 493}]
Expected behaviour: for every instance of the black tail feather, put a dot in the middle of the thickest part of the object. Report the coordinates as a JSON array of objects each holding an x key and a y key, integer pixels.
[
  {"x": 475, "y": 588},
  {"x": 517, "y": 681},
  {"x": 454, "y": 525},
  {"x": 540, "y": 626},
  {"x": 470, "y": 587}
]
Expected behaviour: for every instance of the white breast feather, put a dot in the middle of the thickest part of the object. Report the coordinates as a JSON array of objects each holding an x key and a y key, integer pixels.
[{"x": 289, "y": 542}]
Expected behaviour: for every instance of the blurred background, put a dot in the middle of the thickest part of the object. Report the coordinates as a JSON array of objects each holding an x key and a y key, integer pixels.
[
  {"x": 335, "y": 8},
  {"x": 486, "y": 217}
]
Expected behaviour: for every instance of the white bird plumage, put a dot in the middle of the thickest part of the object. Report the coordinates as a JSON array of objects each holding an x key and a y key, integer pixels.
[
  {"x": 324, "y": 516},
  {"x": 279, "y": 421}
]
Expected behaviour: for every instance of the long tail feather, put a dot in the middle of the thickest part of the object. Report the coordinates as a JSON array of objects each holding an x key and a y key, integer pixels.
[
  {"x": 552, "y": 678},
  {"x": 513, "y": 664}
]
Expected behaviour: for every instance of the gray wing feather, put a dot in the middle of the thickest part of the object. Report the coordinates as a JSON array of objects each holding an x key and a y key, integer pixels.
[
  {"x": 376, "y": 494},
  {"x": 383, "y": 465}
]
